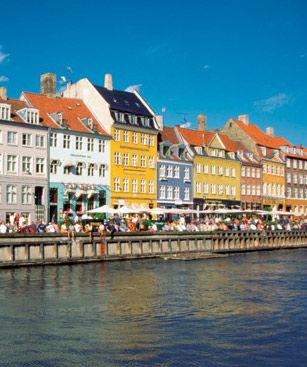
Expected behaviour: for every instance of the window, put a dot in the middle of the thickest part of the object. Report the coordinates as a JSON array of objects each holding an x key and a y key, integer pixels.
[
  {"x": 197, "y": 168},
  {"x": 253, "y": 172},
  {"x": 294, "y": 163},
  {"x": 66, "y": 170},
  {"x": 102, "y": 170},
  {"x": 258, "y": 190},
  {"x": 206, "y": 188},
  {"x": 151, "y": 186},
  {"x": 248, "y": 189},
  {"x": 227, "y": 171},
  {"x": 186, "y": 193},
  {"x": 233, "y": 172},
  {"x": 176, "y": 193},
  {"x": 295, "y": 178},
  {"x": 220, "y": 170},
  {"x": 79, "y": 170},
  {"x": 102, "y": 146},
  {"x": 248, "y": 172},
  {"x": 126, "y": 159},
  {"x": 220, "y": 189},
  {"x": 66, "y": 141},
  {"x": 117, "y": 158},
  {"x": 170, "y": 192},
  {"x": 134, "y": 160},
  {"x": 151, "y": 162},
  {"x": 11, "y": 163},
  {"x": 90, "y": 169},
  {"x": 26, "y": 140},
  {"x": 198, "y": 188},
  {"x": 53, "y": 140},
  {"x": 126, "y": 185},
  {"x": 264, "y": 168},
  {"x": 289, "y": 177},
  {"x": 143, "y": 161},
  {"x": 11, "y": 194},
  {"x": 162, "y": 192},
  {"x": 227, "y": 189},
  {"x": 126, "y": 136},
  {"x": 151, "y": 140},
  {"x": 212, "y": 170},
  {"x": 243, "y": 171},
  {"x": 39, "y": 141},
  {"x": 143, "y": 186},
  {"x": 116, "y": 184},
  {"x": 134, "y": 138},
  {"x": 134, "y": 185},
  {"x": 233, "y": 190},
  {"x": 40, "y": 165},
  {"x": 169, "y": 171},
  {"x": 5, "y": 112},
  {"x": 143, "y": 139},
  {"x": 243, "y": 191},
  {"x": 213, "y": 188},
  {"x": 206, "y": 168},
  {"x": 116, "y": 135},
  {"x": 258, "y": 172},
  {"x": 26, "y": 165},
  {"x": 269, "y": 169},
  {"x": 187, "y": 173},
  {"x": 12, "y": 137},
  {"x": 90, "y": 144},
  {"x": 176, "y": 172},
  {"x": 79, "y": 143},
  {"x": 53, "y": 167},
  {"x": 26, "y": 194}
]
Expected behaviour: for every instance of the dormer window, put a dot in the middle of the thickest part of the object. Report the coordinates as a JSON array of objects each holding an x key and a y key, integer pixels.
[
  {"x": 30, "y": 115},
  {"x": 263, "y": 150},
  {"x": 59, "y": 118},
  {"x": 90, "y": 123},
  {"x": 5, "y": 111},
  {"x": 199, "y": 150}
]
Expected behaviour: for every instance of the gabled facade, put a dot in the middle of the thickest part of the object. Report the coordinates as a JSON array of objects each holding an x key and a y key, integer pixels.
[
  {"x": 79, "y": 155},
  {"x": 296, "y": 178},
  {"x": 174, "y": 172},
  {"x": 251, "y": 178},
  {"x": 133, "y": 127},
  {"x": 216, "y": 175},
  {"x": 265, "y": 147},
  {"x": 23, "y": 161}
]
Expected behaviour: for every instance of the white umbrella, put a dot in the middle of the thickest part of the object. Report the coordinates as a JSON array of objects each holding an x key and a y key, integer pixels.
[
  {"x": 126, "y": 210},
  {"x": 105, "y": 209}
]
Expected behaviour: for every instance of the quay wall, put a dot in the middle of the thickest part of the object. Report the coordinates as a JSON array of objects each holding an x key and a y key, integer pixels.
[{"x": 40, "y": 249}]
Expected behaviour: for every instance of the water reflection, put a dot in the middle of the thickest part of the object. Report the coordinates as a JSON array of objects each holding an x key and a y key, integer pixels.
[{"x": 240, "y": 310}]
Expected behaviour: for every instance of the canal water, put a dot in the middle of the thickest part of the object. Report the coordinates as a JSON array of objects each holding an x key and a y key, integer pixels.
[{"x": 242, "y": 310}]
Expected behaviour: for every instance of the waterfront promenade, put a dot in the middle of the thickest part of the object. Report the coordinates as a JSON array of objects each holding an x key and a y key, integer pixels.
[{"x": 43, "y": 249}]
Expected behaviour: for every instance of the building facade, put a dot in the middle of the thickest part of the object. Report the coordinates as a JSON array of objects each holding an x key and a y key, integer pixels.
[
  {"x": 174, "y": 172},
  {"x": 133, "y": 127},
  {"x": 23, "y": 161},
  {"x": 79, "y": 155},
  {"x": 216, "y": 175}
]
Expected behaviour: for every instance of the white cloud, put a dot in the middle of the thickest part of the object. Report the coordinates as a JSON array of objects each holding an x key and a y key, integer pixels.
[
  {"x": 4, "y": 78},
  {"x": 206, "y": 67},
  {"x": 3, "y": 56},
  {"x": 272, "y": 103},
  {"x": 186, "y": 124},
  {"x": 133, "y": 88}
]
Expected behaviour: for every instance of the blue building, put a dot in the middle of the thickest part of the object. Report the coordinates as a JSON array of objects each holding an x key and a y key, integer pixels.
[{"x": 174, "y": 172}]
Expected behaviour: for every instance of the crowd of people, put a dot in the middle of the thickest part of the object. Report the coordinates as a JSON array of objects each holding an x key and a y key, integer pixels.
[{"x": 145, "y": 222}]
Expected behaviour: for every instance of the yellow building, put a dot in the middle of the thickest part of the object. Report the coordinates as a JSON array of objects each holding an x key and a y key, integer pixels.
[
  {"x": 216, "y": 172},
  {"x": 133, "y": 166},
  {"x": 273, "y": 182}
]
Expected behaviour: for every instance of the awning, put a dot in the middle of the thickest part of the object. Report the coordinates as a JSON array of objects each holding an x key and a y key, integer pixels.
[
  {"x": 91, "y": 193},
  {"x": 69, "y": 164},
  {"x": 79, "y": 193}
]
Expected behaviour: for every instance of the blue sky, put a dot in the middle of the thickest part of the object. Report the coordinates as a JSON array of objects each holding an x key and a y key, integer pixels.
[{"x": 222, "y": 58}]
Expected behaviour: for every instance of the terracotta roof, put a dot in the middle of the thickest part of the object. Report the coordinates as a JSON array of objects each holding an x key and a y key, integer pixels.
[
  {"x": 16, "y": 105},
  {"x": 73, "y": 111},
  {"x": 260, "y": 137},
  {"x": 196, "y": 137},
  {"x": 229, "y": 144},
  {"x": 168, "y": 134}
]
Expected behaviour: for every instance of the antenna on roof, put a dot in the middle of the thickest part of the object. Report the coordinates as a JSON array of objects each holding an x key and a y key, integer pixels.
[{"x": 184, "y": 123}]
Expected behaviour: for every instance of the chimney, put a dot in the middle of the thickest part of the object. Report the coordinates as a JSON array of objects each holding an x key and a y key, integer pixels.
[
  {"x": 48, "y": 84},
  {"x": 108, "y": 82},
  {"x": 244, "y": 119},
  {"x": 270, "y": 131},
  {"x": 202, "y": 122},
  {"x": 3, "y": 93},
  {"x": 159, "y": 119}
]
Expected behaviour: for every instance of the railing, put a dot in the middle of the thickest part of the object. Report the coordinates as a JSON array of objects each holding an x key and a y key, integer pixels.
[{"x": 52, "y": 248}]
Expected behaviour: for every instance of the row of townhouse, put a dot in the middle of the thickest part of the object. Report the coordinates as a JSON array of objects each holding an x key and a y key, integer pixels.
[{"x": 95, "y": 145}]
